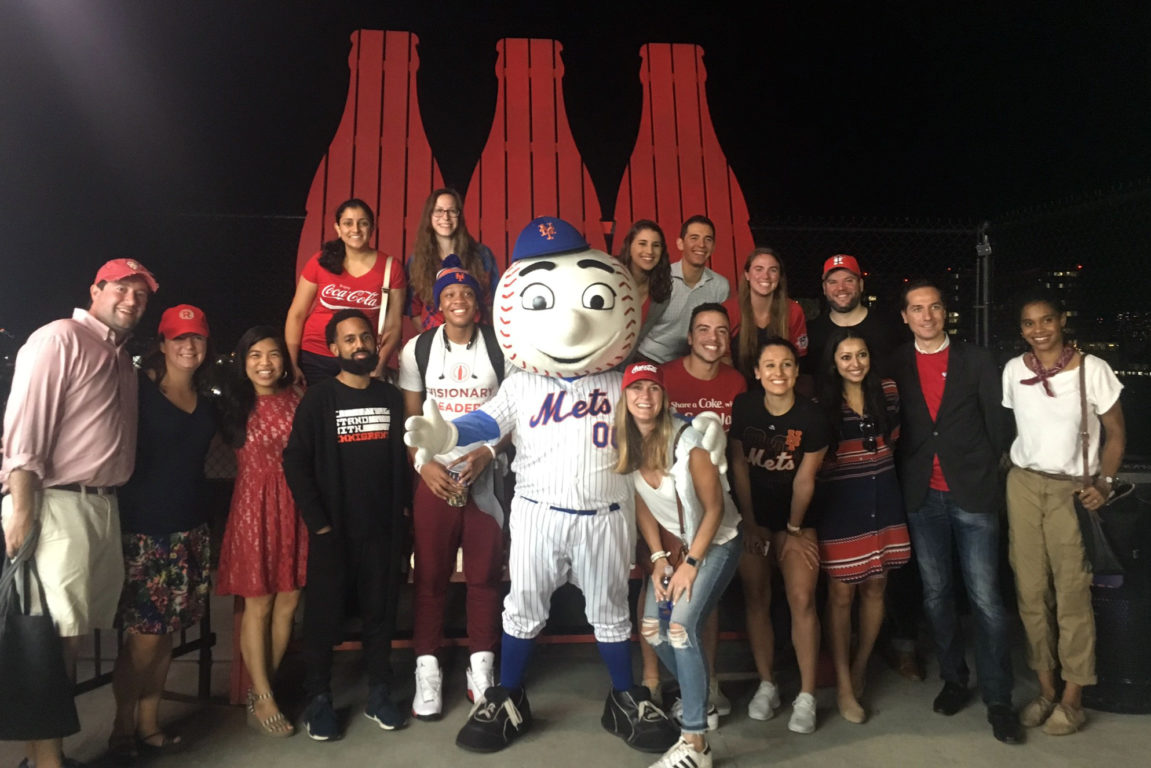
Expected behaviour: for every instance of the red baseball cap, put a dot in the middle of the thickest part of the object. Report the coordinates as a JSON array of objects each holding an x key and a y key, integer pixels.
[
  {"x": 642, "y": 372},
  {"x": 118, "y": 269},
  {"x": 183, "y": 319},
  {"x": 842, "y": 261}
]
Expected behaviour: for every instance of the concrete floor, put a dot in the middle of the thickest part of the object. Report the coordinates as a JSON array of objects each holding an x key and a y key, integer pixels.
[{"x": 567, "y": 687}]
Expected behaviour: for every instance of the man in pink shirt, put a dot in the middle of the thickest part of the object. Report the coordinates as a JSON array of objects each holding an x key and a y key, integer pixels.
[{"x": 69, "y": 441}]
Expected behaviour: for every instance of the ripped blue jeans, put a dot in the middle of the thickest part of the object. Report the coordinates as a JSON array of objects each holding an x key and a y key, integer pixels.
[{"x": 677, "y": 644}]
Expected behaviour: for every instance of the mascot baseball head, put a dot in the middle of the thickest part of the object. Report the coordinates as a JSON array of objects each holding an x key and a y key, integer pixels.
[{"x": 564, "y": 309}]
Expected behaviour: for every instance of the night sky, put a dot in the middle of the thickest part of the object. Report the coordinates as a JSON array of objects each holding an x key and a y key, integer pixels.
[{"x": 186, "y": 134}]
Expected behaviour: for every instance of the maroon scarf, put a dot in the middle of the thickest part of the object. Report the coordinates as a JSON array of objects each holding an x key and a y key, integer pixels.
[{"x": 1043, "y": 374}]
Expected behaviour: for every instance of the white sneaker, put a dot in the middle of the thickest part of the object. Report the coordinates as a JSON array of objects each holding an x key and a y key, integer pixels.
[
  {"x": 712, "y": 715},
  {"x": 428, "y": 703},
  {"x": 683, "y": 755},
  {"x": 716, "y": 699},
  {"x": 802, "y": 714},
  {"x": 480, "y": 674},
  {"x": 764, "y": 703}
]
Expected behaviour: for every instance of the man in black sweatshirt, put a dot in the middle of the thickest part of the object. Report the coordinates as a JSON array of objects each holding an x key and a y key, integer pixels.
[{"x": 348, "y": 470}]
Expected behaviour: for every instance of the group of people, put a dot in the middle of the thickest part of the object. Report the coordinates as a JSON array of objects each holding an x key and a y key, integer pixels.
[{"x": 643, "y": 425}]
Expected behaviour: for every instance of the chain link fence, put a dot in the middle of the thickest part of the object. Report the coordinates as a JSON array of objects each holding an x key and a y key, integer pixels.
[
  {"x": 890, "y": 251},
  {"x": 1091, "y": 251}
]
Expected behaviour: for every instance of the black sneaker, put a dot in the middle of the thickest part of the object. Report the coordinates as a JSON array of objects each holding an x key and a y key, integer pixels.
[
  {"x": 381, "y": 710},
  {"x": 496, "y": 720},
  {"x": 634, "y": 718},
  {"x": 1004, "y": 723},
  {"x": 951, "y": 699},
  {"x": 320, "y": 721}
]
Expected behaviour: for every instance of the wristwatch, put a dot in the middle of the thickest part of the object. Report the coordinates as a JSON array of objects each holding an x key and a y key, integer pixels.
[
  {"x": 691, "y": 561},
  {"x": 1109, "y": 479}
]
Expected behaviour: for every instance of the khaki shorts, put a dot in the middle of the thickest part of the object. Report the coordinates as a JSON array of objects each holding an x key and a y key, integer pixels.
[{"x": 79, "y": 559}]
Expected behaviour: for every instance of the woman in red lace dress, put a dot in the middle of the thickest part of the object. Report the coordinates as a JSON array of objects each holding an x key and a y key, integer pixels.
[{"x": 263, "y": 557}]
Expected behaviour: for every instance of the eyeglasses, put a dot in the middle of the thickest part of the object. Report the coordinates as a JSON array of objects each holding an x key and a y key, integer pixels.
[
  {"x": 451, "y": 213},
  {"x": 870, "y": 438}
]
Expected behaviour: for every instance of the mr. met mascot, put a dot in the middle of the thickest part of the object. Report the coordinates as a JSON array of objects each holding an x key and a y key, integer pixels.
[{"x": 566, "y": 314}]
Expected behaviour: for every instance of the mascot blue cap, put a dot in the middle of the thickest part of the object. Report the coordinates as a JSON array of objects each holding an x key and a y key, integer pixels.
[{"x": 548, "y": 236}]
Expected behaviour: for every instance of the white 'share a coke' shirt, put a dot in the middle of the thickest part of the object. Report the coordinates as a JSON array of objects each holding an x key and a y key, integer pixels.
[{"x": 336, "y": 292}]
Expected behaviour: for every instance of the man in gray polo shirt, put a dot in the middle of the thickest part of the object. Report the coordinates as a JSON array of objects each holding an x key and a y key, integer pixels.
[{"x": 692, "y": 283}]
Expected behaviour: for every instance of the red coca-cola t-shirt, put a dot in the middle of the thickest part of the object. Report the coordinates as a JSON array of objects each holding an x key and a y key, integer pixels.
[
  {"x": 691, "y": 396},
  {"x": 336, "y": 292}
]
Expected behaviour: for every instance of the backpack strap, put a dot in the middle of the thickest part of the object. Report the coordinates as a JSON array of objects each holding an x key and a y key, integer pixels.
[
  {"x": 423, "y": 352},
  {"x": 495, "y": 354}
]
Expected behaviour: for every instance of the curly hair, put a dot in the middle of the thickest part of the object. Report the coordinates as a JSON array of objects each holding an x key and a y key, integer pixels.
[
  {"x": 332, "y": 252},
  {"x": 659, "y": 279},
  {"x": 425, "y": 261}
]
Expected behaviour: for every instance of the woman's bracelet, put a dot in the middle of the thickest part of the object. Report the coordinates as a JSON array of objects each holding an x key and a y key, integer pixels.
[
  {"x": 794, "y": 530},
  {"x": 491, "y": 448},
  {"x": 657, "y": 556}
]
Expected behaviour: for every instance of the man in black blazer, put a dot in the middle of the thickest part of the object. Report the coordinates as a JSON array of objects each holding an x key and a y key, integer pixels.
[{"x": 953, "y": 432}]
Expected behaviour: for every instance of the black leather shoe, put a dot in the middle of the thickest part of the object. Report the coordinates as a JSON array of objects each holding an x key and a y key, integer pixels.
[
  {"x": 644, "y": 726},
  {"x": 498, "y": 718},
  {"x": 951, "y": 699},
  {"x": 1004, "y": 723}
]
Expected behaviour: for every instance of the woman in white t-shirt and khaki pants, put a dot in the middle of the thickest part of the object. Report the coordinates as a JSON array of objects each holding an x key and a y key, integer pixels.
[{"x": 1052, "y": 577}]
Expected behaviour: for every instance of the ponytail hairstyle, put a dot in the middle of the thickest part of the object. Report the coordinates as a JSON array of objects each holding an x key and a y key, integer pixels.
[{"x": 332, "y": 252}]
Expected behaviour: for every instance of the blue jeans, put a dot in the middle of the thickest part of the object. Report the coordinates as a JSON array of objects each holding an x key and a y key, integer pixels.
[
  {"x": 934, "y": 526},
  {"x": 682, "y": 652}
]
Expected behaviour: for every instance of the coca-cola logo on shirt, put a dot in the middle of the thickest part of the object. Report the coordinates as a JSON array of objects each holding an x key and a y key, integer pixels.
[{"x": 334, "y": 296}]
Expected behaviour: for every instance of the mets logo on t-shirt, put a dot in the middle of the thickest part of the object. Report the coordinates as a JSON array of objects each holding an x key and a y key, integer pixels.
[{"x": 775, "y": 453}]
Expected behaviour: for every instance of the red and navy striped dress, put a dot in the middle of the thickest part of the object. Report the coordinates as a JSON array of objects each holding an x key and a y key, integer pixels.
[{"x": 862, "y": 527}]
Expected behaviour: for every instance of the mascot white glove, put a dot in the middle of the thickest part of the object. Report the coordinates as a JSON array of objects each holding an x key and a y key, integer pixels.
[
  {"x": 710, "y": 425},
  {"x": 429, "y": 434}
]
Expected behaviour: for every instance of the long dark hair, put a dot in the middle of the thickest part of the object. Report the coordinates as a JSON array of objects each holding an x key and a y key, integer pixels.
[
  {"x": 332, "y": 252},
  {"x": 426, "y": 253},
  {"x": 659, "y": 279},
  {"x": 239, "y": 395},
  {"x": 154, "y": 364},
  {"x": 831, "y": 389}
]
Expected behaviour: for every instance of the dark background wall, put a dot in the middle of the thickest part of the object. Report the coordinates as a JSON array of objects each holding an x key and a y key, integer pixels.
[{"x": 186, "y": 133}]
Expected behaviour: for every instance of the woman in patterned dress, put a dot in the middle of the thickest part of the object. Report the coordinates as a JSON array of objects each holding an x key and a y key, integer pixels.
[
  {"x": 862, "y": 528},
  {"x": 164, "y": 528},
  {"x": 263, "y": 557}
]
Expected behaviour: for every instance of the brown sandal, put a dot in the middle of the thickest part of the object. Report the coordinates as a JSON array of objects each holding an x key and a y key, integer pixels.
[
  {"x": 122, "y": 748},
  {"x": 168, "y": 743},
  {"x": 275, "y": 726}
]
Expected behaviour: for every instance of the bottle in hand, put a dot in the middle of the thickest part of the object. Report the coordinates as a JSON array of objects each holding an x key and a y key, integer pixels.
[{"x": 665, "y": 604}]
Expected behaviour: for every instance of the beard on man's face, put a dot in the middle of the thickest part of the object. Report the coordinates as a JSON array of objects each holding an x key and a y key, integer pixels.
[{"x": 359, "y": 365}]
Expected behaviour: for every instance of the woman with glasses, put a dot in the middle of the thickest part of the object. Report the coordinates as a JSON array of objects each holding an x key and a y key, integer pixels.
[
  {"x": 347, "y": 273},
  {"x": 443, "y": 232},
  {"x": 862, "y": 528},
  {"x": 777, "y": 441}
]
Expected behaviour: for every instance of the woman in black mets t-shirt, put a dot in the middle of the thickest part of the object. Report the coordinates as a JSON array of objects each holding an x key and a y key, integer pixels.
[{"x": 782, "y": 438}]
